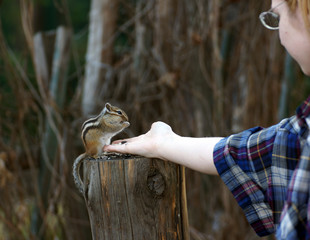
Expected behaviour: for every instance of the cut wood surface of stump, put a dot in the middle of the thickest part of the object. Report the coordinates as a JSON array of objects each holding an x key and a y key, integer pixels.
[{"x": 131, "y": 197}]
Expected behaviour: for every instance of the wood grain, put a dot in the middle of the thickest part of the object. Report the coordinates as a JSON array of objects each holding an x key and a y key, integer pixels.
[{"x": 135, "y": 198}]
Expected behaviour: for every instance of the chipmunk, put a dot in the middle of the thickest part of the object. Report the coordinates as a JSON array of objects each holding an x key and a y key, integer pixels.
[{"x": 96, "y": 133}]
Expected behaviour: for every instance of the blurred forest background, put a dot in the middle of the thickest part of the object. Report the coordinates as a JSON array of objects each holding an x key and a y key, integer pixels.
[{"x": 207, "y": 68}]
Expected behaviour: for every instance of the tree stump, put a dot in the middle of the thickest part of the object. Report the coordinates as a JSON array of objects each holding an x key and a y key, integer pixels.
[{"x": 131, "y": 197}]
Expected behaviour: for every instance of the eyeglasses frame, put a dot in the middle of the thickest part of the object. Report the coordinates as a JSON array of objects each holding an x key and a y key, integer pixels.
[{"x": 270, "y": 11}]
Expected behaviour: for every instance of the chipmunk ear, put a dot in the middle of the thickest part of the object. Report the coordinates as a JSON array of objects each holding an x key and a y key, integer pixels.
[{"x": 108, "y": 107}]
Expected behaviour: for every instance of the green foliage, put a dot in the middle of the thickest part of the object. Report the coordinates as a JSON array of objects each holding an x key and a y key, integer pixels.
[
  {"x": 49, "y": 14},
  {"x": 11, "y": 24}
]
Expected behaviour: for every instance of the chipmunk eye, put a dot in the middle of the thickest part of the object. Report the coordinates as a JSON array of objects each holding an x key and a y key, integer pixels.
[{"x": 119, "y": 112}]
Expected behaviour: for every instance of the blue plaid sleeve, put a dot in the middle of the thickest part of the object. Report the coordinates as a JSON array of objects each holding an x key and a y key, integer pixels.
[
  {"x": 267, "y": 171},
  {"x": 244, "y": 162}
]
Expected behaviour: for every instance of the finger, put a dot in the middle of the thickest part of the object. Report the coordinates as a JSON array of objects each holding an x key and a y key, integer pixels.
[
  {"x": 124, "y": 148},
  {"x": 127, "y": 140},
  {"x": 114, "y": 148},
  {"x": 119, "y": 141}
]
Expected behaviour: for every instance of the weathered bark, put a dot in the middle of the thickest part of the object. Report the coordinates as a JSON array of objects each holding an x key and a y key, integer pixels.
[{"x": 135, "y": 198}]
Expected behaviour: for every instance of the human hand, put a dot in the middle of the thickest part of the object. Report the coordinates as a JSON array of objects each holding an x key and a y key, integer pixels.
[{"x": 147, "y": 144}]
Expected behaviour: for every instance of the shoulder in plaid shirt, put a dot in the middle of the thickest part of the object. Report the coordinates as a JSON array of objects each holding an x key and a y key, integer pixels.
[{"x": 268, "y": 172}]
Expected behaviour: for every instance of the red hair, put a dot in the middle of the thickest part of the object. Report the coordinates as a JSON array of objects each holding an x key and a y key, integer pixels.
[{"x": 304, "y": 6}]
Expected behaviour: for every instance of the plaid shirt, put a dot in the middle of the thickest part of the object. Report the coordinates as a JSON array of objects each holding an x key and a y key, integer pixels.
[{"x": 268, "y": 172}]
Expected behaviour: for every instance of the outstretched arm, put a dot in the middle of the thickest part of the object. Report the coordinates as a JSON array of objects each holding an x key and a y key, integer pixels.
[{"x": 161, "y": 142}]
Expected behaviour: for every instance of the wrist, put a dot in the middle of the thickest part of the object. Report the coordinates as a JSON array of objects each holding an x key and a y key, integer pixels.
[
  {"x": 159, "y": 141},
  {"x": 165, "y": 148}
]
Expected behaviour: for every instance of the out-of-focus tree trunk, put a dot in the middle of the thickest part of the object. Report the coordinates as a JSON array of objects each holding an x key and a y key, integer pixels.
[
  {"x": 103, "y": 14},
  {"x": 163, "y": 41},
  {"x": 99, "y": 57},
  {"x": 53, "y": 76}
]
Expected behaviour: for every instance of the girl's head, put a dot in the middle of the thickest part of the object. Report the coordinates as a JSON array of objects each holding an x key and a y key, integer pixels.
[{"x": 294, "y": 29}]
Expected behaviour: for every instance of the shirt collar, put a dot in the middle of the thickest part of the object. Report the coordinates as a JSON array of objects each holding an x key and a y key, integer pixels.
[{"x": 303, "y": 112}]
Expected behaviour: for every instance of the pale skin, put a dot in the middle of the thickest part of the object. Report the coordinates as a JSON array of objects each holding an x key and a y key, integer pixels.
[
  {"x": 197, "y": 153},
  {"x": 161, "y": 142}
]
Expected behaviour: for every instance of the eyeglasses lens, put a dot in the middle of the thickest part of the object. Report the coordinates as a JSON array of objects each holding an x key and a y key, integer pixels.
[{"x": 270, "y": 20}]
